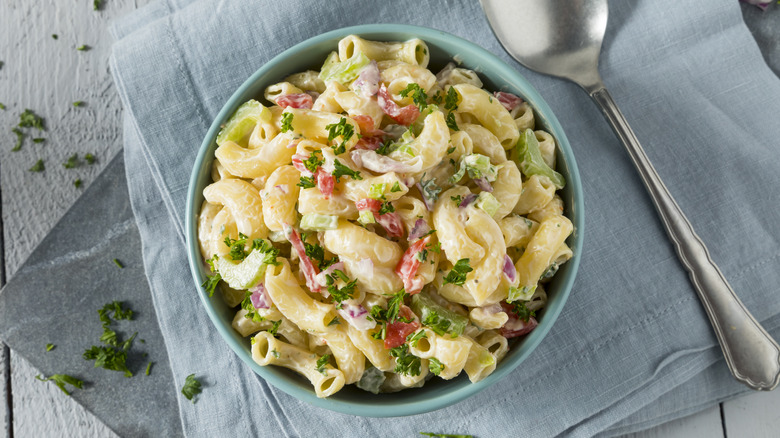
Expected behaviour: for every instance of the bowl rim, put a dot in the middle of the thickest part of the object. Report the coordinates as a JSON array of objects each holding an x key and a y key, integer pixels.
[{"x": 498, "y": 68}]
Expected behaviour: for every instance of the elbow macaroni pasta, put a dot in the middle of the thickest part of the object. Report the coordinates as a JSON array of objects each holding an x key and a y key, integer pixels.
[{"x": 348, "y": 192}]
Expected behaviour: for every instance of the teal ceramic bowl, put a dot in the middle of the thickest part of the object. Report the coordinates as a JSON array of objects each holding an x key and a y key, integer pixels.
[{"x": 497, "y": 76}]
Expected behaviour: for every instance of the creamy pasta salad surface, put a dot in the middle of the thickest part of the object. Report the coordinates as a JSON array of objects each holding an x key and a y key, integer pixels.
[{"x": 379, "y": 224}]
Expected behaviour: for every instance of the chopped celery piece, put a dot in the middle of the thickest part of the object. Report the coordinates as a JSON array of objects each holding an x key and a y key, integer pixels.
[
  {"x": 524, "y": 293},
  {"x": 529, "y": 159},
  {"x": 377, "y": 191},
  {"x": 345, "y": 71},
  {"x": 243, "y": 122},
  {"x": 478, "y": 166},
  {"x": 366, "y": 217},
  {"x": 488, "y": 203},
  {"x": 372, "y": 380},
  {"x": 486, "y": 359},
  {"x": 438, "y": 318},
  {"x": 457, "y": 176},
  {"x": 242, "y": 275},
  {"x": 319, "y": 222}
]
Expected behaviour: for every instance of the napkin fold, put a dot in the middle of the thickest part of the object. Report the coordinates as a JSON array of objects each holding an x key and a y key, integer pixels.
[{"x": 633, "y": 347}]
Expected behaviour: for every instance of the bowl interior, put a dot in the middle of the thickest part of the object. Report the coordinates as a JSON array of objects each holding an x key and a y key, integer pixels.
[{"x": 497, "y": 76}]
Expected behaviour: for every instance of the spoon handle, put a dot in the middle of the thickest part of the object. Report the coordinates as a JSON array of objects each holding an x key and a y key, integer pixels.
[{"x": 751, "y": 354}]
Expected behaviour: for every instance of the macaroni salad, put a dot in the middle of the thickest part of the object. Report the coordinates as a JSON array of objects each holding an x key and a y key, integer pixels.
[{"x": 379, "y": 224}]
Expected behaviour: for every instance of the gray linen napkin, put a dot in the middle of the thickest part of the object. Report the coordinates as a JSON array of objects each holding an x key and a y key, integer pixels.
[{"x": 632, "y": 347}]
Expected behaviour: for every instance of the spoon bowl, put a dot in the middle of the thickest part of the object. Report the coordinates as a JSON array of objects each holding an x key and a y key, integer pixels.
[{"x": 563, "y": 38}]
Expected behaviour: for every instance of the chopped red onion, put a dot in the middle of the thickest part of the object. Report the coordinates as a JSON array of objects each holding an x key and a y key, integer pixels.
[
  {"x": 468, "y": 200},
  {"x": 368, "y": 80},
  {"x": 259, "y": 297},
  {"x": 483, "y": 184},
  {"x": 420, "y": 229},
  {"x": 357, "y": 316},
  {"x": 508, "y": 100},
  {"x": 509, "y": 269},
  {"x": 760, "y": 3}
]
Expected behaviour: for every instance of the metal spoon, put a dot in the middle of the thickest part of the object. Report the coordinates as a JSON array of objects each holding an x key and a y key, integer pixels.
[{"x": 563, "y": 38}]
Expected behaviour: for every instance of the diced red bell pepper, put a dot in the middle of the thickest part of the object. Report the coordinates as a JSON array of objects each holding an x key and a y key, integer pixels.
[
  {"x": 307, "y": 266},
  {"x": 408, "y": 265},
  {"x": 405, "y": 116},
  {"x": 397, "y": 331}
]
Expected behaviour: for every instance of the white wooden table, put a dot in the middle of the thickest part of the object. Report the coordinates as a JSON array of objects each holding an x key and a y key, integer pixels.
[{"x": 47, "y": 75}]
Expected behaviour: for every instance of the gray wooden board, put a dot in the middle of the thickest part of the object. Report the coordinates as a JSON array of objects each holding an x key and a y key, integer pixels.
[{"x": 54, "y": 298}]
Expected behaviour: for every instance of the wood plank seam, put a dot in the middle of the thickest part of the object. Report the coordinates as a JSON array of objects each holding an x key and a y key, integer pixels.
[{"x": 6, "y": 353}]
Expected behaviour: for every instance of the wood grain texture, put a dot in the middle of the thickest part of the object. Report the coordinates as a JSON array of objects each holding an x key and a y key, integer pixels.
[
  {"x": 753, "y": 416},
  {"x": 47, "y": 76}
]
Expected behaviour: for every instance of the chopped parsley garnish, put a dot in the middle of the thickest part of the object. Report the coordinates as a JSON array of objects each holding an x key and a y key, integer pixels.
[
  {"x": 313, "y": 162},
  {"x": 418, "y": 95},
  {"x": 522, "y": 311},
  {"x": 96, "y": 4},
  {"x": 83, "y": 48},
  {"x": 386, "y": 147},
  {"x": 78, "y": 103},
  {"x": 28, "y": 119},
  {"x": 343, "y": 129},
  {"x": 340, "y": 294},
  {"x": 19, "y": 139},
  {"x": 456, "y": 199},
  {"x": 119, "y": 264},
  {"x": 415, "y": 337},
  {"x": 274, "y": 353},
  {"x": 149, "y": 368},
  {"x": 451, "y": 100},
  {"x": 287, "y": 119},
  {"x": 430, "y": 190},
  {"x": 55, "y": 36},
  {"x": 275, "y": 327},
  {"x": 343, "y": 170},
  {"x": 2, "y": 107},
  {"x": 321, "y": 362},
  {"x": 237, "y": 247},
  {"x": 38, "y": 166},
  {"x": 90, "y": 158},
  {"x": 457, "y": 275},
  {"x": 405, "y": 362},
  {"x": 72, "y": 162},
  {"x": 50, "y": 347},
  {"x": 439, "y": 325},
  {"x": 77, "y": 183},
  {"x": 211, "y": 283},
  {"x": 451, "y": 122},
  {"x": 266, "y": 247},
  {"x": 435, "y": 366},
  {"x": 389, "y": 315},
  {"x": 396, "y": 187},
  {"x": 61, "y": 380},
  {"x": 38, "y": 140},
  {"x": 334, "y": 321},
  {"x": 191, "y": 387},
  {"x": 316, "y": 253},
  {"x": 422, "y": 255},
  {"x": 307, "y": 182},
  {"x": 110, "y": 358},
  {"x": 386, "y": 207},
  {"x": 450, "y": 150},
  {"x": 251, "y": 311}
]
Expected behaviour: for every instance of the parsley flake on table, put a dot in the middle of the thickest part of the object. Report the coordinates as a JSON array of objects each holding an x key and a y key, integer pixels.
[
  {"x": 19, "y": 139},
  {"x": 77, "y": 182},
  {"x": 287, "y": 119},
  {"x": 38, "y": 166},
  {"x": 72, "y": 162},
  {"x": 2, "y": 107},
  {"x": 61, "y": 380},
  {"x": 96, "y": 4},
  {"x": 90, "y": 158},
  {"x": 191, "y": 388},
  {"x": 119, "y": 264},
  {"x": 28, "y": 119},
  {"x": 38, "y": 140},
  {"x": 457, "y": 275},
  {"x": 55, "y": 36},
  {"x": 50, "y": 347},
  {"x": 149, "y": 368},
  {"x": 83, "y": 48},
  {"x": 78, "y": 103}
]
